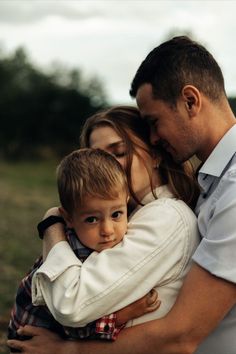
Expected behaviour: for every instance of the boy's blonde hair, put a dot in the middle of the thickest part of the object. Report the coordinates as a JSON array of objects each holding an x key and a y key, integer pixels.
[{"x": 89, "y": 173}]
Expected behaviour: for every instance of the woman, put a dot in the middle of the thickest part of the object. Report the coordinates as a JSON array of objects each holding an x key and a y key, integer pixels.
[{"x": 161, "y": 239}]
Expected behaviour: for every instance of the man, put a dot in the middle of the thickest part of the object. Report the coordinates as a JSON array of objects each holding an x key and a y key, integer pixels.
[{"x": 179, "y": 88}]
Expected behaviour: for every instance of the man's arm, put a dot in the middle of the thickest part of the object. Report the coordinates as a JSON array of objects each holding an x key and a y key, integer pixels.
[{"x": 203, "y": 302}]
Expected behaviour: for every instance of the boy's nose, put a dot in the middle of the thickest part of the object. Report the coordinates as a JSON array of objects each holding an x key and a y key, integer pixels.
[{"x": 107, "y": 229}]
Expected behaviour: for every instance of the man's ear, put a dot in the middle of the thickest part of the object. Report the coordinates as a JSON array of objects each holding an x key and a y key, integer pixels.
[
  {"x": 66, "y": 217},
  {"x": 192, "y": 99}
]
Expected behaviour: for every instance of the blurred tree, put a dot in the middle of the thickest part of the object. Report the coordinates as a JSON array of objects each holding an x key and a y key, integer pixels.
[
  {"x": 40, "y": 110},
  {"x": 232, "y": 102}
]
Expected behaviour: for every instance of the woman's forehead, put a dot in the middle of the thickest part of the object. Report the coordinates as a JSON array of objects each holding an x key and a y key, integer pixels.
[{"x": 104, "y": 135}]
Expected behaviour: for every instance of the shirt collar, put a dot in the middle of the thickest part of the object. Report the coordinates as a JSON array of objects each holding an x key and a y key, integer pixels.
[
  {"x": 160, "y": 192},
  {"x": 221, "y": 154}
]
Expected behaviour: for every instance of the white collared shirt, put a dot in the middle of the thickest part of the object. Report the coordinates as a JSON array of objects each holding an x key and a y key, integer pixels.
[{"x": 216, "y": 210}]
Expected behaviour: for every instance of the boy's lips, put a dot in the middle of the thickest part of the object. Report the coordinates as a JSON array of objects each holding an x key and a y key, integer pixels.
[{"x": 105, "y": 242}]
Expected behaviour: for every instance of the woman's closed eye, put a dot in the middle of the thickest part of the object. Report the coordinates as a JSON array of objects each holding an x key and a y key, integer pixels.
[{"x": 119, "y": 154}]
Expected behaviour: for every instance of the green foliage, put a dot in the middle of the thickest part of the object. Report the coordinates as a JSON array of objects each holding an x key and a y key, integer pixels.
[
  {"x": 28, "y": 189},
  {"x": 232, "y": 102},
  {"x": 41, "y": 110}
]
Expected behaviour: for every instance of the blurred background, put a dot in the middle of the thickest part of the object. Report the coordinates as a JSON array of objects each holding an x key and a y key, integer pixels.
[{"x": 60, "y": 62}]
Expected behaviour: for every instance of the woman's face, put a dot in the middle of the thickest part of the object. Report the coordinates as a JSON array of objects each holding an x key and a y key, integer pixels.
[{"x": 106, "y": 138}]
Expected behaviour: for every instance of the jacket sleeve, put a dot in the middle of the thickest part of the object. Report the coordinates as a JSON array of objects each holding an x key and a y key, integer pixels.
[{"x": 154, "y": 252}]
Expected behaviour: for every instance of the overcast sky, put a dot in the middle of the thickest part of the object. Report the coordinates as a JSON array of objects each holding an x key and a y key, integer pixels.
[{"x": 110, "y": 38}]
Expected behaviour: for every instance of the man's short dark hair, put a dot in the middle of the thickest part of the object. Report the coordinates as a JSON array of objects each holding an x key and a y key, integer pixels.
[{"x": 178, "y": 62}]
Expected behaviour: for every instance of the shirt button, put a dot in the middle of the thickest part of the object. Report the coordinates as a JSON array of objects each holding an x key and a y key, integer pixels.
[{"x": 106, "y": 328}]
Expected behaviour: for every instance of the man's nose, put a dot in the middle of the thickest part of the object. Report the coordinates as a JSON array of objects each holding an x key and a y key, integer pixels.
[{"x": 154, "y": 137}]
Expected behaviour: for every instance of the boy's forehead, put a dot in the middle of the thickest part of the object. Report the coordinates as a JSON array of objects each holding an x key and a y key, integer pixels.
[{"x": 98, "y": 203}]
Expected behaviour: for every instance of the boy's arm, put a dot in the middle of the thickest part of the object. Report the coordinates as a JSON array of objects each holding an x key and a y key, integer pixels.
[
  {"x": 202, "y": 303},
  {"x": 108, "y": 327},
  {"x": 146, "y": 304}
]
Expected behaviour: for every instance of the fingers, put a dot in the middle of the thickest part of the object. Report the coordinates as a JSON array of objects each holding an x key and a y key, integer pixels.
[
  {"x": 30, "y": 331},
  {"x": 15, "y": 344},
  {"x": 153, "y": 303},
  {"x": 151, "y": 297}
]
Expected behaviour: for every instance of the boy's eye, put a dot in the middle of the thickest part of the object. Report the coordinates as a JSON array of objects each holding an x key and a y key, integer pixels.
[
  {"x": 117, "y": 214},
  {"x": 91, "y": 219}
]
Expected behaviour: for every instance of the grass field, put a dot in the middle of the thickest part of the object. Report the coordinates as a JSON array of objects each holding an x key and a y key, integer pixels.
[{"x": 27, "y": 189}]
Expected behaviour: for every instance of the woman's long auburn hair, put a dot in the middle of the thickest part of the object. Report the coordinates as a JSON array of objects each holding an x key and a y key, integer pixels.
[{"x": 126, "y": 121}]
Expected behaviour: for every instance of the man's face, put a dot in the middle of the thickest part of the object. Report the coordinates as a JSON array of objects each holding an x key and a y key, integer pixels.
[{"x": 170, "y": 126}]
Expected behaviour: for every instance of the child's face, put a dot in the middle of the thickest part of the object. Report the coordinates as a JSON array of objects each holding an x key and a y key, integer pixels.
[{"x": 101, "y": 223}]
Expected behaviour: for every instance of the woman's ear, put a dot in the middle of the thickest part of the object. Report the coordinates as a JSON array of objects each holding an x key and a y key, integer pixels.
[
  {"x": 192, "y": 100},
  {"x": 156, "y": 157},
  {"x": 66, "y": 217}
]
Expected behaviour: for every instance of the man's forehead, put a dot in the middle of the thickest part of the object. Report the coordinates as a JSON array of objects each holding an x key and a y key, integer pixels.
[{"x": 144, "y": 94}]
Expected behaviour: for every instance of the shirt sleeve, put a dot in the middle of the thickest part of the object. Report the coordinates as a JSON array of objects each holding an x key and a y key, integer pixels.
[
  {"x": 106, "y": 327},
  {"x": 216, "y": 252},
  {"x": 155, "y": 251}
]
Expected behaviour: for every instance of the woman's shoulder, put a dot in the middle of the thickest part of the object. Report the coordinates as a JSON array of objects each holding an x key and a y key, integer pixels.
[
  {"x": 166, "y": 209},
  {"x": 170, "y": 206},
  {"x": 163, "y": 199}
]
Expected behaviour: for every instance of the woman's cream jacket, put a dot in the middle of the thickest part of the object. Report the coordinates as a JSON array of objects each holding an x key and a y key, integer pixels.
[{"x": 155, "y": 253}]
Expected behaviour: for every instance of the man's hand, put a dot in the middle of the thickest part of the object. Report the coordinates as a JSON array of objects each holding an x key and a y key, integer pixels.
[
  {"x": 146, "y": 304},
  {"x": 43, "y": 341}
]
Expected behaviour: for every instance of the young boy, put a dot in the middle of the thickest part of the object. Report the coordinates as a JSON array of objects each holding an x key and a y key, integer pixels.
[{"x": 93, "y": 193}]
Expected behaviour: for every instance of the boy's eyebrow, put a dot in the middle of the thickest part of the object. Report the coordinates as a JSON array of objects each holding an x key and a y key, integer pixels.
[{"x": 85, "y": 212}]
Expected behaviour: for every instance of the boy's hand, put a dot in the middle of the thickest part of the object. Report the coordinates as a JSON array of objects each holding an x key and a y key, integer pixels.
[{"x": 146, "y": 304}]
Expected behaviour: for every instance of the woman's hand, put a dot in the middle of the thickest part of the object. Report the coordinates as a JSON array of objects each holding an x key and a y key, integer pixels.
[
  {"x": 146, "y": 304},
  {"x": 42, "y": 342},
  {"x": 52, "y": 211},
  {"x": 53, "y": 234}
]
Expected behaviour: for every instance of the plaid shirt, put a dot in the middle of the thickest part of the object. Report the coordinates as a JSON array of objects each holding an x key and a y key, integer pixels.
[{"x": 24, "y": 312}]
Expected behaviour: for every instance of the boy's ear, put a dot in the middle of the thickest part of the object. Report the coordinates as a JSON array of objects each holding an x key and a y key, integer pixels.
[{"x": 66, "y": 217}]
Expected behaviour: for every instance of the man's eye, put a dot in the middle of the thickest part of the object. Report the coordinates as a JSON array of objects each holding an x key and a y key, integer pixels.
[
  {"x": 117, "y": 214},
  {"x": 153, "y": 122},
  {"x": 91, "y": 220}
]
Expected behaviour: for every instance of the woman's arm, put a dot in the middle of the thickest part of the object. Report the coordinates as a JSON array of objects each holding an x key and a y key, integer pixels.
[{"x": 117, "y": 277}]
